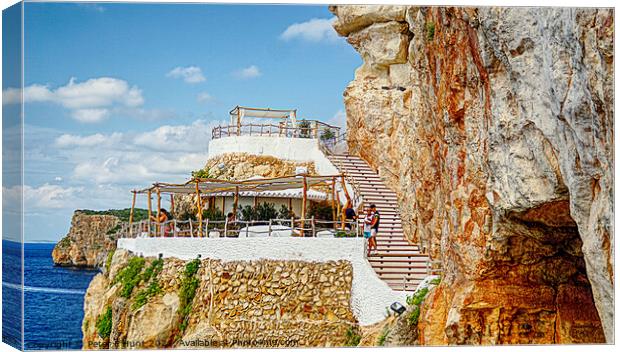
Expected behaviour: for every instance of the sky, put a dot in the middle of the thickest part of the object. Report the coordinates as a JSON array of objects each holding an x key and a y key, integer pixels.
[{"x": 118, "y": 96}]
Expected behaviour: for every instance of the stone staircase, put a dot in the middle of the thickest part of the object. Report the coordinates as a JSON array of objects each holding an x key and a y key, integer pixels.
[{"x": 397, "y": 262}]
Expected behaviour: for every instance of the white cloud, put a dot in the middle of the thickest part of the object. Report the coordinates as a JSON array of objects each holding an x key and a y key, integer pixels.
[
  {"x": 204, "y": 97},
  {"x": 90, "y": 115},
  {"x": 339, "y": 119},
  {"x": 89, "y": 101},
  {"x": 45, "y": 196},
  {"x": 249, "y": 72},
  {"x": 314, "y": 30},
  {"x": 67, "y": 140},
  {"x": 180, "y": 138},
  {"x": 189, "y": 74}
]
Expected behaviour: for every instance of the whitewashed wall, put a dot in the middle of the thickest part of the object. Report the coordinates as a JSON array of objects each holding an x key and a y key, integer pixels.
[
  {"x": 296, "y": 149},
  {"x": 369, "y": 297}
]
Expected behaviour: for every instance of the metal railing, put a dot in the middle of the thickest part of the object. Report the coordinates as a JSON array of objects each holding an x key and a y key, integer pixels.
[
  {"x": 310, "y": 227},
  {"x": 313, "y": 129}
]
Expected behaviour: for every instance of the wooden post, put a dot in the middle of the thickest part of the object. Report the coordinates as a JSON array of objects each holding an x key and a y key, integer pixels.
[
  {"x": 191, "y": 228},
  {"x": 334, "y": 218},
  {"x": 150, "y": 212},
  {"x": 199, "y": 207},
  {"x": 292, "y": 226},
  {"x": 133, "y": 205},
  {"x": 346, "y": 193},
  {"x": 238, "y": 121},
  {"x": 313, "y": 227},
  {"x": 158, "y": 212},
  {"x": 235, "y": 202},
  {"x": 303, "y": 203},
  {"x": 269, "y": 234},
  {"x": 207, "y": 227}
]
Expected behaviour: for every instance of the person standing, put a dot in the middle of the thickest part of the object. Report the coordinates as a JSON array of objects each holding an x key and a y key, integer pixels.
[
  {"x": 374, "y": 227},
  {"x": 349, "y": 215},
  {"x": 367, "y": 229}
]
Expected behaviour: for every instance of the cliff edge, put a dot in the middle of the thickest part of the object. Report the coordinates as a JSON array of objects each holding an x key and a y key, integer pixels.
[
  {"x": 495, "y": 127},
  {"x": 90, "y": 238}
]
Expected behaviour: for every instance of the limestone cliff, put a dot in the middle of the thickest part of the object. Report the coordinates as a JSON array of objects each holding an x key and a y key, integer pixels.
[
  {"x": 146, "y": 302},
  {"x": 495, "y": 127},
  {"x": 88, "y": 241}
]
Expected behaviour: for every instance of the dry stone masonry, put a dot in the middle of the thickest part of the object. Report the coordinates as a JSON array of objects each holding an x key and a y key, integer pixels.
[
  {"x": 262, "y": 303},
  {"x": 495, "y": 128}
]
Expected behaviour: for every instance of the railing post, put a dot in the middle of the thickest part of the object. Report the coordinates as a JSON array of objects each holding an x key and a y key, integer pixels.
[
  {"x": 207, "y": 227},
  {"x": 269, "y": 234},
  {"x": 292, "y": 225},
  {"x": 174, "y": 228},
  {"x": 313, "y": 227},
  {"x": 226, "y": 228},
  {"x": 191, "y": 228}
]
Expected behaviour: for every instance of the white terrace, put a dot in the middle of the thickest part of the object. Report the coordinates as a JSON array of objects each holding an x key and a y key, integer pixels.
[{"x": 398, "y": 265}]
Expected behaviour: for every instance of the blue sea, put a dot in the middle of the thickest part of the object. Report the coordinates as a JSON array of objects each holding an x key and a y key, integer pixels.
[{"x": 53, "y": 298}]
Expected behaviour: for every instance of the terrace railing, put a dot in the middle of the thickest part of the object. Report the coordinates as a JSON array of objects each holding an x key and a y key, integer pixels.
[
  {"x": 256, "y": 228},
  {"x": 305, "y": 129}
]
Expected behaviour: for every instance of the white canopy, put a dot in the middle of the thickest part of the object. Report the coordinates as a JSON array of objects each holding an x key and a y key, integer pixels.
[{"x": 239, "y": 112}]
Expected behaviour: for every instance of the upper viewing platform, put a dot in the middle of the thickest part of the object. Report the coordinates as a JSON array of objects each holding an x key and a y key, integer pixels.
[{"x": 245, "y": 121}]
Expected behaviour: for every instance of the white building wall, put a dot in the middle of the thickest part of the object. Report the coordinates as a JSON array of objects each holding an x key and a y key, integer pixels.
[
  {"x": 296, "y": 149},
  {"x": 369, "y": 297},
  {"x": 288, "y": 148}
]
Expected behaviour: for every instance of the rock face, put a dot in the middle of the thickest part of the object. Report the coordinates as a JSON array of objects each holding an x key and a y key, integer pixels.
[
  {"x": 495, "y": 127},
  {"x": 88, "y": 241},
  {"x": 262, "y": 303}
]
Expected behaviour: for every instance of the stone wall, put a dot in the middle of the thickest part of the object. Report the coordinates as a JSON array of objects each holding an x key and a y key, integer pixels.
[
  {"x": 88, "y": 241},
  {"x": 258, "y": 303},
  {"x": 495, "y": 128}
]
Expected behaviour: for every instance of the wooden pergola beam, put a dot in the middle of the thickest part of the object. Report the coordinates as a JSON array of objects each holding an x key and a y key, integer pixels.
[
  {"x": 150, "y": 208},
  {"x": 304, "y": 203},
  {"x": 235, "y": 202},
  {"x": 199, "y": 208},
  {"x": 133, "y": 205}
]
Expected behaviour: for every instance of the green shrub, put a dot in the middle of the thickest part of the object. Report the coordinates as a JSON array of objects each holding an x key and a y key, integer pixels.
[
  {"x": 142, "y": 297},
  {"x": 418, "y": 297},
  {"x": 430, "y": 31},
  {"x": 189, "y": 284},
  {"x": 108, "y": 260},
  {"x": 342, "y": 233},
  {"x": 305, "y": 129},
  {"x": 114, "y": 230},
  {"x": 213, "y": 214},
  {"x": 202, "y": 173},
  {"x": 383, "y": 336},
  {"x": 261, "y": 212},
  {"x": 285, "y": 213},
  {"x": 121, "y": 214},
  {"x": 153, "y": 270},
  {"x": 104, "y": 324},
  {"x": 327, "y": 135},
  {"x": 130, "y": 276},
  {"x": 436, "y": 281},
  {"x": 353, "y": 337},
  {"x": 65, "y": 242},
  {"x": 414, "y": 316},
  {"x": 320, "y": 211}
]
